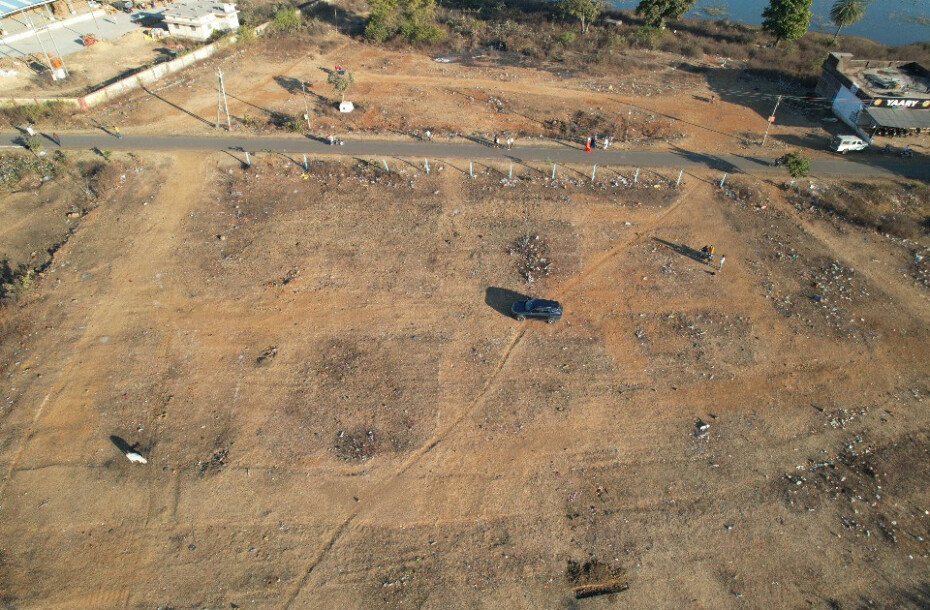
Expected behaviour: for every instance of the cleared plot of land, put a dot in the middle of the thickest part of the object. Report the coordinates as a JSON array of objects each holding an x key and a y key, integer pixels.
[{"x": 337, "y": 411}]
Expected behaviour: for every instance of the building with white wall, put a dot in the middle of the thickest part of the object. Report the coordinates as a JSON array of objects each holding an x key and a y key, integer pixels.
[
  {"x": 877, "y": 97},
  {"x": 198, "y": 20}
]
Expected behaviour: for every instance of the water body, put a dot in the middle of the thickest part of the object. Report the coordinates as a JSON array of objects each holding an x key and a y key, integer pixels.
[{"x": 891, "y": 22}]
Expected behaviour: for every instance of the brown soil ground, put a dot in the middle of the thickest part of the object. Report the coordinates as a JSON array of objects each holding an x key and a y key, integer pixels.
[
  {"x": 99, "y": 63},
  {"x": 337, "y": 411},
  {"x": 666, "y": 100}
]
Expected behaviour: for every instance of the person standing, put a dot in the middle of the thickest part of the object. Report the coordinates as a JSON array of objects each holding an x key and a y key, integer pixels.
[
  {"x": 429, "y": 136},
  {"x": 30, "y": 131},
  {"x": 497, "y": 141},
  {"x": 594, "y": 141},
  {"x": 723, "y": 257},
  {"x": 119, "y": 136},
  {"x": 587, "y": 146}
]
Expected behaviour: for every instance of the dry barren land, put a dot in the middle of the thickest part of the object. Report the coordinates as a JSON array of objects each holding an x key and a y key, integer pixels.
[{"x": 338, "y": 413}]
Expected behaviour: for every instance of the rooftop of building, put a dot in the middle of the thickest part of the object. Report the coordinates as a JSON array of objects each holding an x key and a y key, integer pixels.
[
  {"x": 197, "y": 10},
  {"x": 882, "y": 78}
]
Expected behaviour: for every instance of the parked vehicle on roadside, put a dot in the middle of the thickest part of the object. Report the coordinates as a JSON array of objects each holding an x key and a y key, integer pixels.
[
  {"x": 843, "y": 144},
  {"x": 550, "y": 311}
]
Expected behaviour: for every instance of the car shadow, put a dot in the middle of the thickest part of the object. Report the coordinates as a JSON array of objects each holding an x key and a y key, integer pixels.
[{"x": 502, "y": 299}]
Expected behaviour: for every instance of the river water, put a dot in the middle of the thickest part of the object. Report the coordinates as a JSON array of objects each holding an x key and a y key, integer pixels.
[{"x": 891, "y": 22}]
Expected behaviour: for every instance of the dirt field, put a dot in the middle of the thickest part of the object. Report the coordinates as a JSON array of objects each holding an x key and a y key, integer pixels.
[
  {"x": 665, "y": 100},
  {"x": 88, "y": 69},
  {"x": 338, "y": 413}
]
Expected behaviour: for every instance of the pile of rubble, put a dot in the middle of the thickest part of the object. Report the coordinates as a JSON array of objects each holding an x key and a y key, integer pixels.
[
  {"x": 359, "y": 445},
  {"x": 840, "y": 418},
  {"x": 532, "y": 257},
  {"x": 920, "y": 270},
  {"x": 217, "y": 461}
]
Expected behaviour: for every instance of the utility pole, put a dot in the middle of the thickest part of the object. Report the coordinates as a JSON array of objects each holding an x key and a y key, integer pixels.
[
  {"x": 55, "y": 44},
  {"x": 306, "y": 105},
  {"x": 771, "y": 120},
  {"x": 629, "y": 119},
  {"x": 221, "y": 102},
  {"x": 96, "y": 25},
  {"x": 41, "y": 44}
]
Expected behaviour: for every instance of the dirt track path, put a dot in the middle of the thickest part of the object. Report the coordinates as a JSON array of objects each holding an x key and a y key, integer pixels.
[
  {"x": 902, "y": 293},
  {"x": 382, "y": 489}
]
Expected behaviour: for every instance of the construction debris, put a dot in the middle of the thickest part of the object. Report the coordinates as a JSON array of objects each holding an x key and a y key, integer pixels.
[{"x": 533, "y": 257}]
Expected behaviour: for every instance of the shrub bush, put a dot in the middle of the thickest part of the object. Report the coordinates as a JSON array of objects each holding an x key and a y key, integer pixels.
[
  {"x": 798, "y": 165},
  {"x": 245, "y": 34},
  {"x": 647, "y": 38},
  {"x": 377, "y": 30},
  {"x": 286, "y": 20}
]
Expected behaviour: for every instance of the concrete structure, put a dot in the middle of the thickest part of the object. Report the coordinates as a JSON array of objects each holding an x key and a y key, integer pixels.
[
  {"x": 128, "y": 84},
  {"x": 198, "y": 20},
  {"x": 877, "y": 97},
  {"x": 11, "y": 7}
]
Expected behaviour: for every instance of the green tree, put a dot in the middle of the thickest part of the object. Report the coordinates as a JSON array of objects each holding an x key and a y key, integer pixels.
[
  {"x": 415, "y": 20},
  {"x": 341, "y": 81},
  {"x": 847, "y": 12},
  {"x": 585, "y": 11},
  {"x": 656, "y": 12},
  {"x": 787, "y": 19},
  {"x": 798, "y": 165},
  {"x": 286, "y": 20}
]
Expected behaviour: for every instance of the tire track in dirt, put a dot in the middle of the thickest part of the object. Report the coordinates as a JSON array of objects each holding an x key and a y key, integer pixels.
[
  {"x": 411, "y": 461},
  {"x": 570, "y": 285},
  {"x": 25, "y": 440},
  {"x": 337, "y": 532},
  {"x": 175, "y": 196},
  {"x": 441, "y": 434}
]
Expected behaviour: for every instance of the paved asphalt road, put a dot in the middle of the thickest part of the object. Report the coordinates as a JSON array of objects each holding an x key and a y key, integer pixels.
[{"x": 863, "y": 164}]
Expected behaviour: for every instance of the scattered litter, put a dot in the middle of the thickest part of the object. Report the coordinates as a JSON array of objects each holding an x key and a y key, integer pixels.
[
  {"x": 533, "y": 260},
  {"x": 701, "y": 429}
]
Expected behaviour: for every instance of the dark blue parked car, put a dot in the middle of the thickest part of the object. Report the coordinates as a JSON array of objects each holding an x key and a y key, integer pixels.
[{"x": 551, "y": 311}]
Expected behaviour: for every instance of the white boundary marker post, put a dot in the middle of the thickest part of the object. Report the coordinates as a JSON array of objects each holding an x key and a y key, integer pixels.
[
  {"x": 248, "y": 160},
  {"x": 386, "y": 168},
  {"x": 471, "y": 169},
  {"x": 553, "y": 171},
  {"x": 593, "y": 172},
  {"x": 427, "y": 165},
  {"x": 306, "y": 165},
  {"x": 511, "y": 172},
  {"x": 722, "y": 180},
  {"x": 680, "y": 174},
  {"x": 636, "y": 177}
]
